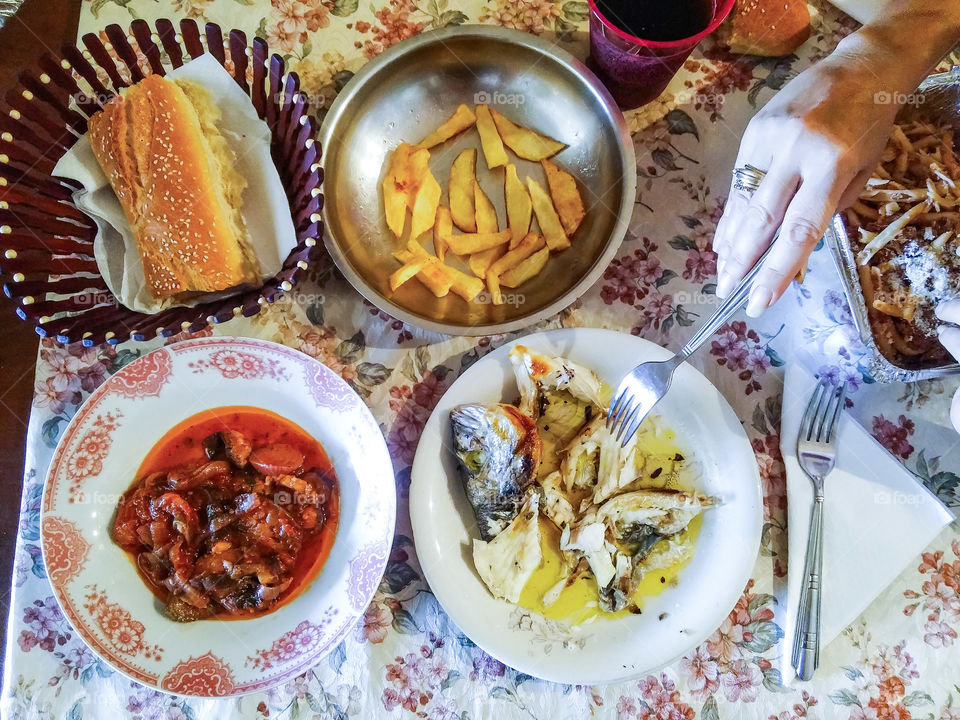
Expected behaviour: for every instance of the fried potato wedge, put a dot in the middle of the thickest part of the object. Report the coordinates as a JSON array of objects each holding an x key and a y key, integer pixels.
[
  {"x": 531, "y": 243},
  {"x": 407, "y": 168},
  {"x": 565, "y": 195},
  {"x": 486, "y": 213},
  {"x": 525, "y": 143},
  {"x": 470, "y": 243},
  {"x": 460, "y": 189},
  {"x": 394, "y": 208},
  {"x": 461, "y": 119},
  {"x": 425, "y": 205},
  {"x": 493, "y": 287},
  {"x": 480, "y": 262},
  {"x": 526, "y": 270},
  {"x": 435, "y": 277},
  {"x": 547, "y": 217},
  {"x": 490, "y": 139},
  {"x": 442, "y": 229},
  {"x": 486, "y": 223},
  {"x": 519, "y": 208},
  {"x": 433, "y": 274},
  {"x": 407, "y": 272},
  {"x": 464, "y": 285}
]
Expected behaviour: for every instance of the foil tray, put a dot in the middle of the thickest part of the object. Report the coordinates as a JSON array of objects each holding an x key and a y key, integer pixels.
[{"x": 938, "y": 97}]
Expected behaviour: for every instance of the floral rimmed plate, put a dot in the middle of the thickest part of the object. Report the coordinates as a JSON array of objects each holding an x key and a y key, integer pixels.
[
  {"x": 672, "y": 622},
  {"x": 98, "y": 588}
]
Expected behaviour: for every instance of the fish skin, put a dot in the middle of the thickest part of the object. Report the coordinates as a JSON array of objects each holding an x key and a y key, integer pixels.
[{"x": 498, "y": 450}]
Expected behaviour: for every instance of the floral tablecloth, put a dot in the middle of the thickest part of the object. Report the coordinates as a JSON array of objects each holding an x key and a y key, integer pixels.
[{"x": 901, "y": 659}]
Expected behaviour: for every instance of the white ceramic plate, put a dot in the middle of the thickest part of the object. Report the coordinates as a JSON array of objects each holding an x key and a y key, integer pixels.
[
  {"x": 96, "y": 460},
  {"x": 707, "y": 432}
]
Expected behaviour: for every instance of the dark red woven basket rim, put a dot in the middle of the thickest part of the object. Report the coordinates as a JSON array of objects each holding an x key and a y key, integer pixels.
[{"x": 47, "y": 242}]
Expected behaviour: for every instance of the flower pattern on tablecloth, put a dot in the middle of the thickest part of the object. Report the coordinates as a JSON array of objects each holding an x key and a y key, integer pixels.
[{"x": 404, "y": 659}]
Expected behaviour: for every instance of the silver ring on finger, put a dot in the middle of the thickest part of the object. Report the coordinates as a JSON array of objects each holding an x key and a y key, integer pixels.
[{"x": 747, "y": 178}]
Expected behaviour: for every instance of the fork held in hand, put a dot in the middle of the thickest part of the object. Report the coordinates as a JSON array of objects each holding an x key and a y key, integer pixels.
[
  {"x": 817, "y": 455},
  {"x": 647, "y": 383}
]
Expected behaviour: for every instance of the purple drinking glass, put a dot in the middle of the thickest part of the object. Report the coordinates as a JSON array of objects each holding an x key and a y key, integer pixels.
[{"x": 635, "y": 70}]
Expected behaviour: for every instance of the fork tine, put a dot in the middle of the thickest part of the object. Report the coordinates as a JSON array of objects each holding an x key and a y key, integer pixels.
[
  {"x": 635, "y": 425},
  {"x": 807, "y": 421},
  {"x": 820, "y": 414},
  {"x": 835, "y": 417},
  {"x": 628, "y": 416},
  {"x": 824, "y": 413},
  {"x": 616, "y": 407}
]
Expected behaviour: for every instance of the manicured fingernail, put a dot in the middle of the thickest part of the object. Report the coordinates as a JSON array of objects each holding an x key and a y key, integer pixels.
[
  {"x": 724, "y": 285},
  {"x": 944, "y": 308},
  {"x": 760, "y": 299}
]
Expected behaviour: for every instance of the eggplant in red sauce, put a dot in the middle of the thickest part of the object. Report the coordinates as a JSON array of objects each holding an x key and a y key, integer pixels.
[{"x": 234, "y": 512}]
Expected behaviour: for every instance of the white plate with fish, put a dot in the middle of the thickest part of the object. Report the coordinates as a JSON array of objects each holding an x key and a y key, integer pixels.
[{"x": 556, "y": 551}]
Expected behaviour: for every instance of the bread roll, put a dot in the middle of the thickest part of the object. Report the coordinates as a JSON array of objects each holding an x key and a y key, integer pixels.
[
  {"x": 768, "y": 27},
  {"x": 174, "y": 175}
]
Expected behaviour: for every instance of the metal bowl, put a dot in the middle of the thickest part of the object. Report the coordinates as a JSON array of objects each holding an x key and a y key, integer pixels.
[{"x": 410, "y": 89}]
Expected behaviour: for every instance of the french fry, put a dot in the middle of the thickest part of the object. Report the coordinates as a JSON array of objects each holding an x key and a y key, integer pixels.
[
  {"x": 486, "y": 213},
  {"x": 407, "y": 271},
  {"x": 394, "y": 208},
  {"x": 526, "y": 270},
  {"x": 480, "y": 262},
  {"x": 529, "y": 245},
  {"x": 470, "y": 243},
  {"x": 442, "y": 229},
  {"x": 486, "y": 223},
  {"x": 425, "y": 205},
  {"x": 461, "y": 119},
  {"x": 460, "y": 189},
  {"x": 466, "y": 286},
  {"x": 547, "y": 217},
  {"x": 435, "y": 277},
  {"x": 407, "y": 167},
  {"x": 493, "y": 286},
  {"x": 565, "y": 195},
  {"x": 519, "y": 208},
  {"x": 414, "y": 250},
  {"x": 432, "y": 275},
  {"x": 526, "y": 143},
  {"x": 490, "y": 139},
  {"x": 462, "y": 284}
]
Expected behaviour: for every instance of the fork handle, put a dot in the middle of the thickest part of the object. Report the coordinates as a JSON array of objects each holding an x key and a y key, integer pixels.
[
  {"x": 725, "y": 310},
  {"x": 806, "y": 644}
]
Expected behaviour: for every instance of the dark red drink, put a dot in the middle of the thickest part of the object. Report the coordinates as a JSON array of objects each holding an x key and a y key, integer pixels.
[{"x": 637, "y": 46}]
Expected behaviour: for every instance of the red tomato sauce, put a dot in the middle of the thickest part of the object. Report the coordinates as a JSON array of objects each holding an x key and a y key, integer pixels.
[{"x": 182, "y": 447}]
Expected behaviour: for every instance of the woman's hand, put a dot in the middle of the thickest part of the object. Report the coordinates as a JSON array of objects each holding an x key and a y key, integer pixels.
[
  {"x": 950, "y": 337},
  {"x": 818, "y": 140}
]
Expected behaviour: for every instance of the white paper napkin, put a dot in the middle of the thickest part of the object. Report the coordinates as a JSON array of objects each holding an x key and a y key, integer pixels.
[
  {"x": 877, "y": 519},
  {"x": 861, "y": 10},
  {"x": 266, "y": 212}
]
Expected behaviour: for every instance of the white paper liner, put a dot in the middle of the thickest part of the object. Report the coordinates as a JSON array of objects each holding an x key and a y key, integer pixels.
[{"x": 265, "y": 210}]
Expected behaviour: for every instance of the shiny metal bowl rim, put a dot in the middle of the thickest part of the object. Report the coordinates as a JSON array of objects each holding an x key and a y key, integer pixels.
[{"x": 568, "y": 62}]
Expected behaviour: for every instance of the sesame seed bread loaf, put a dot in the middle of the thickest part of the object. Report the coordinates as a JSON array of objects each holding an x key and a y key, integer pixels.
[
  {"x": 174, "y": 175},
  {"x": 767, "y": 27}
]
